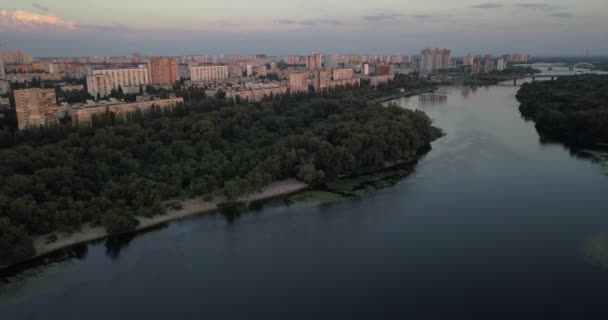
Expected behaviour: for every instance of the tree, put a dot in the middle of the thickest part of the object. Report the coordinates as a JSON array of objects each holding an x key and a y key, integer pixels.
[
  {"x": 119, "y": 220},
  {"x": 220, "y": 94},
  {"x": 15, "y": 244},
  {"x": 233, "y": 189}
]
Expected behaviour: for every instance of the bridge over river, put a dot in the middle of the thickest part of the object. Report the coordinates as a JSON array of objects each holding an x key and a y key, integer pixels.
[{"x": 515, "y": 78}]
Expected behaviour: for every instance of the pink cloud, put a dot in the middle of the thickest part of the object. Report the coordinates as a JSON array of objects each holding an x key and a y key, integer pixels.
[{"x": 21, "y": 19}]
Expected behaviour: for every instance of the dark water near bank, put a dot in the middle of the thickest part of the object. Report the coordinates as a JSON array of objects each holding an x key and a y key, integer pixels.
[{"x": 490, "y": 226}]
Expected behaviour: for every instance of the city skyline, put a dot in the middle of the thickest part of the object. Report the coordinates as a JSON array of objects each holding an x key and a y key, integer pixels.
[{"x": 46, "y": 28}]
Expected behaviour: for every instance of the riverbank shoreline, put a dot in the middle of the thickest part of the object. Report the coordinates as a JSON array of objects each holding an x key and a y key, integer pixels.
[
  {"x": 403, "y": 95},
  {"x": 190, "y": 207}
]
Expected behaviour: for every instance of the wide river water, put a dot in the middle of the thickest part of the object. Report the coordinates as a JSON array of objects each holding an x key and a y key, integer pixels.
[{"x": 491, "y": 225}]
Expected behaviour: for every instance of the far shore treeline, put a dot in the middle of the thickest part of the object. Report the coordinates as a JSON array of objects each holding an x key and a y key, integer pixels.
[
  {"x": 58, "y": 178},
  {"x": 572, "y": 109}
]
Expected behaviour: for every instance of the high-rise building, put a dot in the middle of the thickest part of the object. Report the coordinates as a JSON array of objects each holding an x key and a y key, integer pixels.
[
  {"x": 384, "y": 70},
  {"x": 446, "y": 58},
  {"x": 517, "y": 57},
  {"x": 476, "y": 67},
  {"x": 163, "y": 71},
  {"x": 332, "y": 60},
  {"x": 501, "y": 64},
  {"x": 208, "y": 73},
  {"x": 35, "y": 107},
  {"x": 298, "y": 82},
  {"x": 468, "y": 60},
  {"x": 16, "y": 57},
  {"x": 314, "y": 61},
  {"x": 432, "y": 60},
  {"x": 487, "y": 64}
]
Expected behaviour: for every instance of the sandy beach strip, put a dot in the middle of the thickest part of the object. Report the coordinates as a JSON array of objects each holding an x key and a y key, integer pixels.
[{"x": 191, "y": 207}]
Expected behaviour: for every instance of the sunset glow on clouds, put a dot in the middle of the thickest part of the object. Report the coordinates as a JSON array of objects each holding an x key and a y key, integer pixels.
[
  {"x": 67, "y": 27},
  {"x": 21, "y": 19}
]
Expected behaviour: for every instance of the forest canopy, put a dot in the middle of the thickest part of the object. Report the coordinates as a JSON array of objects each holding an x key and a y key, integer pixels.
[
  {"x": 572, "y": 109},
  {"x": 58, "y": 178}
]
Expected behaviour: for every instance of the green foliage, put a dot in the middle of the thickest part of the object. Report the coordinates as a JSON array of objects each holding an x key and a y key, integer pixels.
[
  {"x": 59, "y": 177},
  {"x": 315, "y": 197},
  {"x": 15, "y": 245},
  {"x": 118, "y": 221},
  {"x": 571, "y": 109}
]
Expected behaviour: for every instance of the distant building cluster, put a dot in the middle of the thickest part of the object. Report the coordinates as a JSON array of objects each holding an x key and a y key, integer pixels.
[
  {"x": 431, "y": 60},
  {"x": 38, "y": 107},
  {"x": 109, "y": 80}
]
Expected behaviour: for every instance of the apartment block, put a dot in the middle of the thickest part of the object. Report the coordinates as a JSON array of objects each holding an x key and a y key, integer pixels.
[
  {"x": 35, "y": 107},
  {"x": 99, "y": 84},
  {"x": 298, "y": 82},
  {"x": 82, "y": 116},
  {"x": 126, "y": 78},
  {"x": 208, "y": 73},
  {"x": 163, "y": 71}
]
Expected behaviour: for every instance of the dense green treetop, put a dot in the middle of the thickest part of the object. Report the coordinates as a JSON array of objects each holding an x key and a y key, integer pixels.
[
  {"x": 572, "y": 109},
  {"x": 59, "y": 177}
]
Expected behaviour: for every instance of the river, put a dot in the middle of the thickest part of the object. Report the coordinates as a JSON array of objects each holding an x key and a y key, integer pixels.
[{"x": 491, "y": 225}]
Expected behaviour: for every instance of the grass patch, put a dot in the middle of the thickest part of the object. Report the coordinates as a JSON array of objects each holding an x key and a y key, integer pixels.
[
  {"x": 365, "y": 185},
  {"x": 596, "y": 250},
  {"x": 314, "y": 197},
  {"x": 351, "y": 187}
]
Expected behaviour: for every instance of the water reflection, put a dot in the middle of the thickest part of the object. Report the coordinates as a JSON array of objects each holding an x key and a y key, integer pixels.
[
  {"x": 115, "y": 244},
  {"x": 75, "y": 252},
  {"x": 434, "y": 98}
]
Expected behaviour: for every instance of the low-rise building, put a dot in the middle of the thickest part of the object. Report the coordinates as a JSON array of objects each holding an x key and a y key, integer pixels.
[
  {"x": 82, "y": 115},
  {"x": 5, "y": 103},
  {"x": 5, "y": 87},
  {"x": 376, "y": 80},
  {"x": 257, "y": 93},
  {"x": 72, "y": 87},
  {"x": 323, "y": 81},
  {"x": 343, "y": 74},
  {"x": 27, "y": 77}
]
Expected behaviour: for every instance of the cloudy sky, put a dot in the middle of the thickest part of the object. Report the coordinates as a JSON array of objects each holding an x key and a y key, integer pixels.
[{"x": 120, "y": 27}]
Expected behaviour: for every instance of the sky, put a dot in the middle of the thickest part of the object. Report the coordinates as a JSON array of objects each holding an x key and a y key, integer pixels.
[{"x": 280, "y": 27}]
